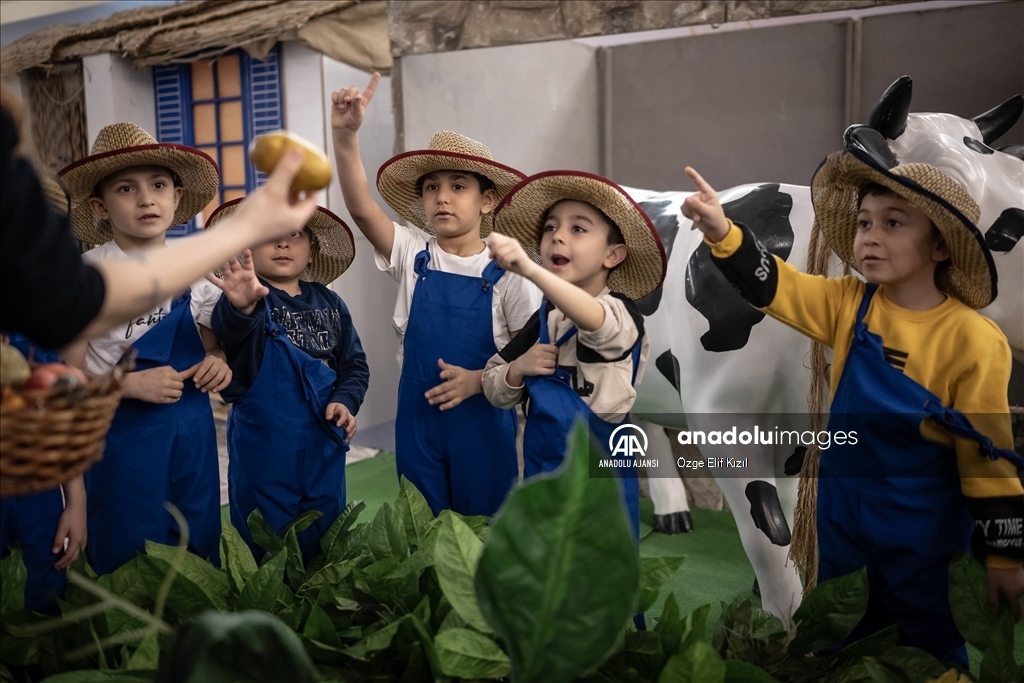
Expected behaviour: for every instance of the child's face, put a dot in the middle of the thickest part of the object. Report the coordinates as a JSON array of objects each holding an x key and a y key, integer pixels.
[
  {"x": 574, "y": 245},
  {"x": 453, "y": 203},
  {"x": 895, "y": 243},
  {"x": 139, "y": 201},
  {"x": 282, "y": 261}
]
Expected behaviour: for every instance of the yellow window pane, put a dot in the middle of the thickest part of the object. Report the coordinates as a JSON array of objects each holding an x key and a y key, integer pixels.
[
  {"x": 202, "y": 80},
  {"x": 231, "y": 122},
  {"x": 232, "y": 170},
  {"x": 233, "y": 194},
  {"x": 204, "y": 124},
  {"x": 210, "y": 208},
  {"x": 229, "y": 80}
]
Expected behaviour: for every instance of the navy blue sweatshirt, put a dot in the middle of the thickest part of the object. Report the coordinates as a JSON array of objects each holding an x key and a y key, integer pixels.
[{"x": 317, "y": 321}]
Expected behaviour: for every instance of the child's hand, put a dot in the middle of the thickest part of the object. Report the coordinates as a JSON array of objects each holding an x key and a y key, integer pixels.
[
  {"x": 704, "y": 210},
  {"x": 1009, "y": 582},
  {"x": 509, "y": 254},
  {"x": 212, "y": 373},
  {"x": 540, "y": 359},
  {"x": 339, "y": 414},
  {"x": 349, "y": 107},
  {"x": 240, "y": 284},
  {"x": 156, "y": 385},
  {"x": 459, "y": 384},
  {"x": 71, "y": 527}
]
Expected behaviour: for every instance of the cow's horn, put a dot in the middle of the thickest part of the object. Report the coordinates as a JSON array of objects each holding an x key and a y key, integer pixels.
[
  {"x": 999, "y": 119},
  {"x": 889, "y": 117}
]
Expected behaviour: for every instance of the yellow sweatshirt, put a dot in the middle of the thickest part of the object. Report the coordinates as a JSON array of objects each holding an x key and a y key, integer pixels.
[{"x": 952, "y": 350}]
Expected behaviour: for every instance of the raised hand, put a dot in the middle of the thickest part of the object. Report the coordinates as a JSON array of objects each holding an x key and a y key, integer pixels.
[
  {"x": 240, "y": 284},
  {"x": 539, "y": 359},
  {"x": 349, "y": 106},
  {"x": 509, "y": 254},
  {"x": 703, "y": 209},
  {"x": 274, "y": 211}
]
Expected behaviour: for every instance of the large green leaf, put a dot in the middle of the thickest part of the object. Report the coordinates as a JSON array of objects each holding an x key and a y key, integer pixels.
[
  {"x": 253, "y": 647},
  {"x": 214, "y": 582},
  {"x": 695, "y": 627},
  {"x": 147, "y": 655},
  {"x": 654, "y": 571},
  {"x": 670, "y": 627},
  {"x": 302, "y": 522},
  {"x": 127, "y": 583},
  {"x": 264, "y": 536},
  {"x": 830, "y": 612},
  {"x": 332, "y": 575},
  {"x": 698, "y": 664},
  {"x": 916, "y": 665},
  {"x": 12, "y": 582},
  {"x": 559, "y": 573},
  {"x": 467, "y": 654},
  {"x": 260, "y": 592},
  {"x": 93, "y": 676},
  {"x": 968, "y": 599},
  {"x": 456, "y": 555},
  {"x": 341, "y": 524},
  {"x": 236, "y": 557},
  {"x": 374, "y": 642},
  {"x": 413, "y": 510},
  {"x": 320, "y": 629},
  {"x": 387, "y": 537},
  {"x": 997, "y": 662},
  {"x": 185, "y": 598},
  {"x": 293, "y": 568},
  {"x": 742, "y": 672}
]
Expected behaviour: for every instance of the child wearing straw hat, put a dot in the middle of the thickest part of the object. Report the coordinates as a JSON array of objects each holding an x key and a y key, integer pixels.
[
  {"x": 162, "y": 444},
  {"x": 49, "y": 522},
  {"x": 300, "y": 375},
  {"x": 592, "y": 251},
  {"x": 455, "y": 308},
  {"x": 917, "y": 374}
]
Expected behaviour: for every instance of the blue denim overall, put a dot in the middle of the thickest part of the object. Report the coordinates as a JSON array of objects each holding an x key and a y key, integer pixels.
[
  {"x": 285, "y": 457},
  {"x": 156, "y": 453},
  {"x": 553, "y": 407},
  {"x": 463, "y": 459},
  {"x": 893, "y": 500}
]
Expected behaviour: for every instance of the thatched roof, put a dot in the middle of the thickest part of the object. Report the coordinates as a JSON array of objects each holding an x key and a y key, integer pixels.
[{"x": 350, "y": 31}]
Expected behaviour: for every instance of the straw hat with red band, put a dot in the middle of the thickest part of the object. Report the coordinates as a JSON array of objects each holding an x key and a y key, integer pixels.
[
  {"x": 835, "y": 189},
  {"x": 56, "y": 194},
  {"x": 521, "y": 215},
  {"x": 398, "y": 178},
  {"x": 331, "y": 248},
  {"x": 124, "y": 145}
]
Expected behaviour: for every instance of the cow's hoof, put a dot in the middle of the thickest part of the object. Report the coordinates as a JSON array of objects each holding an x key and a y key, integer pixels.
[
  {"x": 674, "y": 523},
  {"x": 766, "y": 511},
  {"x": 757, "y": 588},
  {"x": 795, "y": 462}
]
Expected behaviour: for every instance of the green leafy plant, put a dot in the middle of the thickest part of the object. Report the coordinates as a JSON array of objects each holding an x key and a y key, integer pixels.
[{"x": 544, "y": 592}]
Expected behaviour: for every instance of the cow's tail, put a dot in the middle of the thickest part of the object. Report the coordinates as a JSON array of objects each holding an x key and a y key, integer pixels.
[{"x": 804, "y": 548}]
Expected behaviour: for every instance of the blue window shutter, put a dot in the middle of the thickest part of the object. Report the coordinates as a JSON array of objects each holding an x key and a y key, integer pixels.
[
  {"x": 263, "y": 106},
  {"x": 172, "y": 84}
]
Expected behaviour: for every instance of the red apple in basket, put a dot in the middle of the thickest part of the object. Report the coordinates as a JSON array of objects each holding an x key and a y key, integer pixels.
[{"x": 44, "y": 376}]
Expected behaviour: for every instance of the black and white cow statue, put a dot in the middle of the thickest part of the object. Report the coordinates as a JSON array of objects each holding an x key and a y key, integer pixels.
[{"x": 716, "y": 358}]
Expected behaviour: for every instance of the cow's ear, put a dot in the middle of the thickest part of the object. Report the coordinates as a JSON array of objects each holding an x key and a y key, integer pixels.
[{"x": 871, "y": 141}]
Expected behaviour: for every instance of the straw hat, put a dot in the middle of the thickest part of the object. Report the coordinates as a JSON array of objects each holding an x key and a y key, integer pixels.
[
  {"x": 331, "y": 248},
  {"x": 56, "y": 194},
  {"x": 123, "y": 145},
  {"x": 521, "y": 215},
  {"x": 971, "y": 275},
  {"x": 447, "y": 151}
]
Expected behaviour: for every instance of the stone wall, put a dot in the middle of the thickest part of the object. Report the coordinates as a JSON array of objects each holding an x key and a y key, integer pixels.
[{"x": 427, "y": 26}]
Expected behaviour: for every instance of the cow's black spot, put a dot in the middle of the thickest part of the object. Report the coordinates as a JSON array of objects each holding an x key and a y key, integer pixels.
[
  {"x": 795, "y": 462},
  {"x": 668, "y": 365},
  {"x": 1006, "y": 231},
  {"x": 730, "y": 318},
  {"x": 766, "y": 511},
  {"x": 666, "y": 223},
  {"x": 978, "y": 146}
]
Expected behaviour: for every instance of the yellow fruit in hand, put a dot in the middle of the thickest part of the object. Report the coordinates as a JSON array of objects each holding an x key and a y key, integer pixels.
[
  {"x": 14, "y": 369},
  {"x": 266, "y": 151}
]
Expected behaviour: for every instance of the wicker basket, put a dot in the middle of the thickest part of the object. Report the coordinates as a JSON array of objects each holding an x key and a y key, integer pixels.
[{"x": 57, "y": 436}]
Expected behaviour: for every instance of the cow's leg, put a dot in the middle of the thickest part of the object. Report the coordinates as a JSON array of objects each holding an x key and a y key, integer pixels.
[{"x": 671, "y": 509}]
